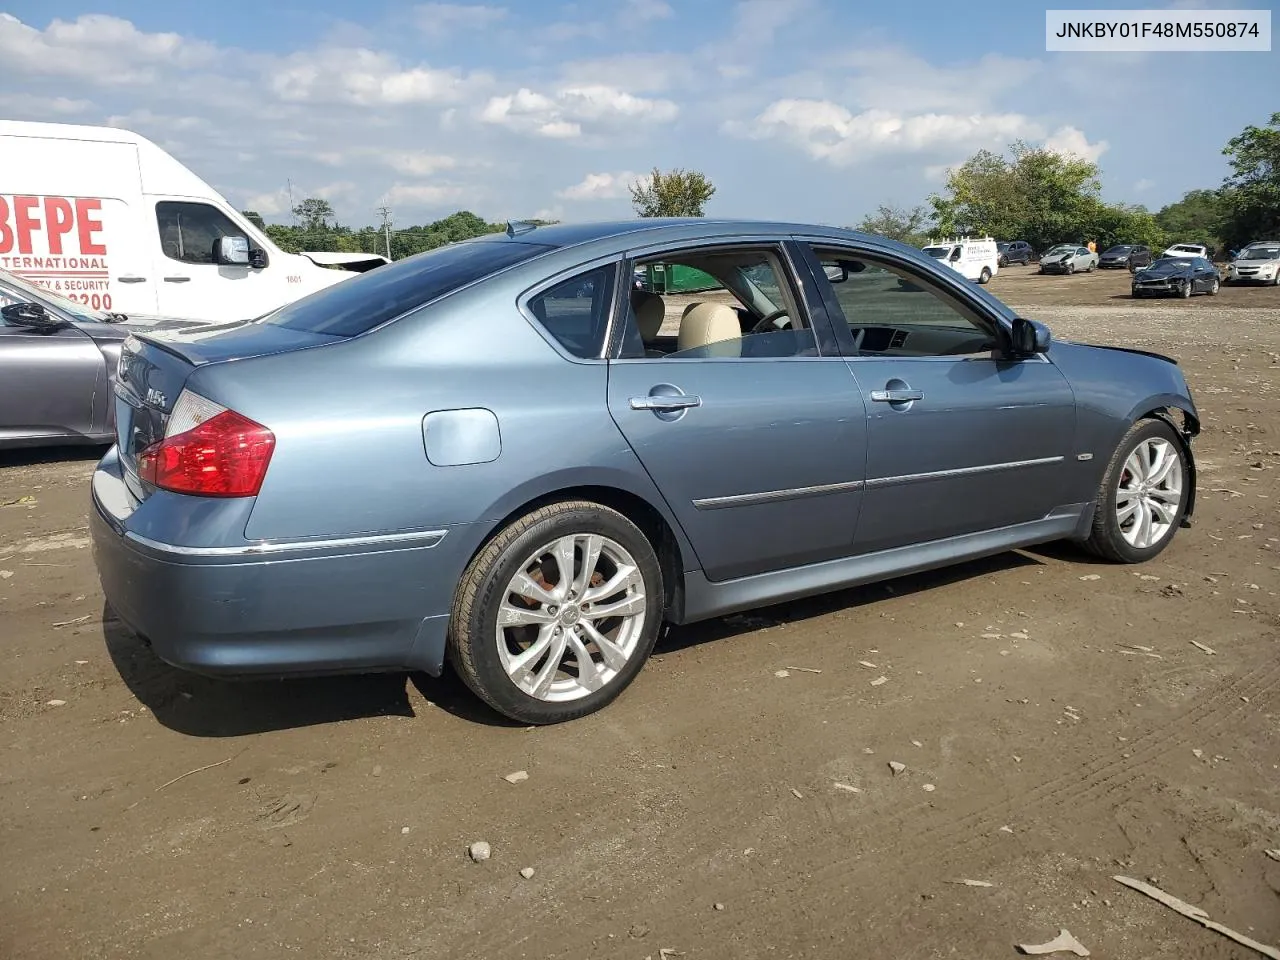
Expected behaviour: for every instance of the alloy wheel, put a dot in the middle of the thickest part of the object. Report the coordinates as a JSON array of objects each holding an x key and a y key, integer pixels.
[
  {"x": 1149, "y": 493},
  {"x": 571, "y": 617}
]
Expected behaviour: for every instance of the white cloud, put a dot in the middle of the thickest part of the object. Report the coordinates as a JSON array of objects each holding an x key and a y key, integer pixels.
[
  {"x": 564, "y": 114},
  {"x": 362, "y": 77},
  {"x": 828, "y": 131},
  {"x": 648, "y": 10},
  {"x": 104, "y": 49},
  {"x": 892, "y": 78},
  {"x": 439, "y": 20},
  {"x": 1143, "y": 184},
  {"x": 417, "y": 164},
  {"x": 1073, "y": 142},
  {"x": 602, "y": 186},
  {"x": 34, "y": 107},
  {"x": 638, "y": 72},
  {"x": 422, "y": 195}
]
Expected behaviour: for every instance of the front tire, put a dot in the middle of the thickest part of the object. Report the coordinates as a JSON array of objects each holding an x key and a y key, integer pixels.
[
  {"x": 985, "y": 275},
  {"x": 557, "y": 614},
  {"x": 1213, "y": 290},
  {"x": 1143, "y": 495},
  {"x": 1186, "y": 289},
  {"x": 1071, "y": 268}
]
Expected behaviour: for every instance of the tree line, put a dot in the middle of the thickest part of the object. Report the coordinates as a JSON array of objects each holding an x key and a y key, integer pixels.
[
  {"x": 1043, "y": 197},
  {"x": 1031, "y": 193}
]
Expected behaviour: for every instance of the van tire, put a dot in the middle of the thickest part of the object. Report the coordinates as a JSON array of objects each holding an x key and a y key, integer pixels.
[{"x": 985, "y": 275}]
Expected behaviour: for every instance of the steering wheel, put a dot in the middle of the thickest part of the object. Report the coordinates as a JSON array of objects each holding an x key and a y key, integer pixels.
[{"x": 766, "y": 321}]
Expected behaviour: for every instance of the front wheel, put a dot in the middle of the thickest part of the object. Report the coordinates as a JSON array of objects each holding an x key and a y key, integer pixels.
[
  {"x": 1185, "y": 290},
  {"x": 1071, "y": 268},
  {"x": 1142, "y": 498},
  {"x": 1214, "y": 288},
  {"x": 985, "y": 276},
  {"x": 558, "y": 613}
]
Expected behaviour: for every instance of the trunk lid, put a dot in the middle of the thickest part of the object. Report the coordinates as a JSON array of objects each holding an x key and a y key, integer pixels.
[{"x": 155, "y": 366}]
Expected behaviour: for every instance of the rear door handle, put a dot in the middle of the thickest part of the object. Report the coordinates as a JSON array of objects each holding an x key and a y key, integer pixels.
[
  {"x": 657, "y": 402},
  {"x": 131, "y": 279},
  {"x": 176, "y": 279},
  {"x": 896, "y": 396}
]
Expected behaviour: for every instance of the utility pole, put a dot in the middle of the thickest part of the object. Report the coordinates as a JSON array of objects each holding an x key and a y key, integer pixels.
[
  {"x": 386, "y": 227},
  {"x": 292, "y": 216}
]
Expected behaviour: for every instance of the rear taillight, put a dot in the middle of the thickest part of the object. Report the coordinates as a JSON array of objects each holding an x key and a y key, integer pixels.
[{"x": 219, "y": 453}]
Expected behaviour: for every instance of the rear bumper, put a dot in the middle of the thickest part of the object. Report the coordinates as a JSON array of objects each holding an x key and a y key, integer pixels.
[{"x": 304, "y": 608}]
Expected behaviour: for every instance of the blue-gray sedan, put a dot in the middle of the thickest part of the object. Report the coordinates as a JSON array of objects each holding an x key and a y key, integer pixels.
[{"x": 505, "y": 455}]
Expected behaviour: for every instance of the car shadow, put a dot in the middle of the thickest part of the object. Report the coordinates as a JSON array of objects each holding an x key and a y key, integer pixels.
[
  {"x": 807, "y": 608},
  {"x": 202, "y": 706}
]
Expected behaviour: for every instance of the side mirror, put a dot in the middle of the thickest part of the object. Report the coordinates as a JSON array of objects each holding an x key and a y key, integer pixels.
[
  {"x": 231, "y": 251},
  {"x": 955, "y": 255},
  {"x": 31, "y": 315},
  {"x": 1029, "y": 337}
]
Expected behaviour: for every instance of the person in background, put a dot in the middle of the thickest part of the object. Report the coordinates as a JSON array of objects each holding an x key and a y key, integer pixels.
[{"x": 1093, "y": 246}]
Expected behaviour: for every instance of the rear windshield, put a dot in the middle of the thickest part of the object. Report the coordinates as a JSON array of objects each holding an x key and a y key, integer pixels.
[{"x": 354, "y": 306}]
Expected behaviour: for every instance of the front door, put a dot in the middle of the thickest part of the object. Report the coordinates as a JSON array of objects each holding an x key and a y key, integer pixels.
[
  {"x": 50, "y": 383},
  {"x": 190, "y": 285},
  {"x": 960, "y": 437},
  {"x": 753, "y": 436}
]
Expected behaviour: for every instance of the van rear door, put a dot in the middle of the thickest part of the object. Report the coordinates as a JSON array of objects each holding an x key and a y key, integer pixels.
[{"x": 70, "y": 214}]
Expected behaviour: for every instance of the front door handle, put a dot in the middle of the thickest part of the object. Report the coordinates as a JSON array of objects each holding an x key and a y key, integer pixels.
[
  {"x": 659, "y": 402},
  {"x": 176, "y": 279},
  {"x": 896, "y": 396},
  {"x": 131, "y": 279}
]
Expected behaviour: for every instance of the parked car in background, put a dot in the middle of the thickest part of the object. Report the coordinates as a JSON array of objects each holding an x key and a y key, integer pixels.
[
  {"x": 1125, "y": 256},
  {"x": 1257, "y": 263},
  {"x": 1015, "y": 251},
  {"x": 110, "y": 219},
  {"x": 1068, "y": 258},
  {"x": 1187, "y": 250},
  {"x": 816, "y": 430},
  {"x": 972, "y": 258},
  {"x": 57, "y": 358},
  {"x": 1176, "y": 276}
]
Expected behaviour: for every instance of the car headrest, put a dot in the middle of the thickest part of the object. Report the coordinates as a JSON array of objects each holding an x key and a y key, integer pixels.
[
  {"x": 650, "y": 311},
  {"x": 707, "y": 323}
]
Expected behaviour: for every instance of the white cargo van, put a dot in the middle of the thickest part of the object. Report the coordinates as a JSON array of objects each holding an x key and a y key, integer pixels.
[
  {"x": 107, "y": 218},
  {"x": 974, "y": 258}
]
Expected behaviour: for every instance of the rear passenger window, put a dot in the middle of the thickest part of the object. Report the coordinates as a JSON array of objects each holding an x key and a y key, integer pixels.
[{"x": 576, "y": 311}]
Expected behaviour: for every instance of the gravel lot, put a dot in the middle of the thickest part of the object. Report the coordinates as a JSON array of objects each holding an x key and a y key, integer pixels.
[{"x": 1056, "y": 721}]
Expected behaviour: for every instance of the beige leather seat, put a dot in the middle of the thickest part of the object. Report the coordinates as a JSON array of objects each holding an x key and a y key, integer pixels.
[
  {"x": 651, "y": 312},
  {"x": 706, "y": 323}
]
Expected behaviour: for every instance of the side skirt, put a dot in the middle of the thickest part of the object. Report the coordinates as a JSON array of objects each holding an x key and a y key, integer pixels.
[{"x": 705, "y": 599}]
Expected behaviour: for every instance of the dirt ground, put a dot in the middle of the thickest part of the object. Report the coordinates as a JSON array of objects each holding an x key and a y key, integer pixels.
[{"x": 1057, "y": 724}]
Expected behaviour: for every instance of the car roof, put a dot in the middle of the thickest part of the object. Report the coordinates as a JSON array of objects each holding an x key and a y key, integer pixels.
[{"x": 659, "y": 230}]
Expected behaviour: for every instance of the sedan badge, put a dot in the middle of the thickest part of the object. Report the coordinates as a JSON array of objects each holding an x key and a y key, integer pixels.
[{"x": 155, "y": 398}]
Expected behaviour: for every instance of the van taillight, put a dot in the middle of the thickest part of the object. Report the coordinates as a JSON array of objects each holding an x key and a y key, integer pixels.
[{"x": 225, "y": 455}]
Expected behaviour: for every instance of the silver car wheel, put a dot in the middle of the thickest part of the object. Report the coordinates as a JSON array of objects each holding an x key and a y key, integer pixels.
[
  {"x": 1149, "y": 493},
  {"x": 571, "y": 618}
]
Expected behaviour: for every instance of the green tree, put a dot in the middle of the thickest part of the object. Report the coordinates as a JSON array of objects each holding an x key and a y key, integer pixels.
[
  {"x": 908, "y": 226},
  {"x": 1251, "y": 194},
  {"x": 1197, "y": 218},
  {"x": 254, "y": 217},
  {"x": 1035, "y": 194},
  {"x": 678, "y": 193},
  {"x": 314, "y": 214}
]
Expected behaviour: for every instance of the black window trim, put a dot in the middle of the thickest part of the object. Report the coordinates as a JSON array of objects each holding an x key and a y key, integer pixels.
[
  {"x": 781, "y": 246},
  {"x": 967, "y": 302},
  {"x": 561, "y": 276}
]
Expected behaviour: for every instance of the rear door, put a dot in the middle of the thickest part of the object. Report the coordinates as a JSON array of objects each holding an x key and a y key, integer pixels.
[
  {"x": 69, "y": 221},
  {"x": 751, "y": 427},
  {"x": 961, "y": 437},
  {"x": 48, "y": 382}
]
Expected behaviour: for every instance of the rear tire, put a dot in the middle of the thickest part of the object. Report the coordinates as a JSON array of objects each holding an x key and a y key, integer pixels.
[
  {"x": 517, "y": 575},
  {"x": 985, "y": 275},
  {"x": 1140, "y": 484}
]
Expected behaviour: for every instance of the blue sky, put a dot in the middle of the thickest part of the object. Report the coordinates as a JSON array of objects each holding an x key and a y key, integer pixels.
[{"x": 812, "y": 110}]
